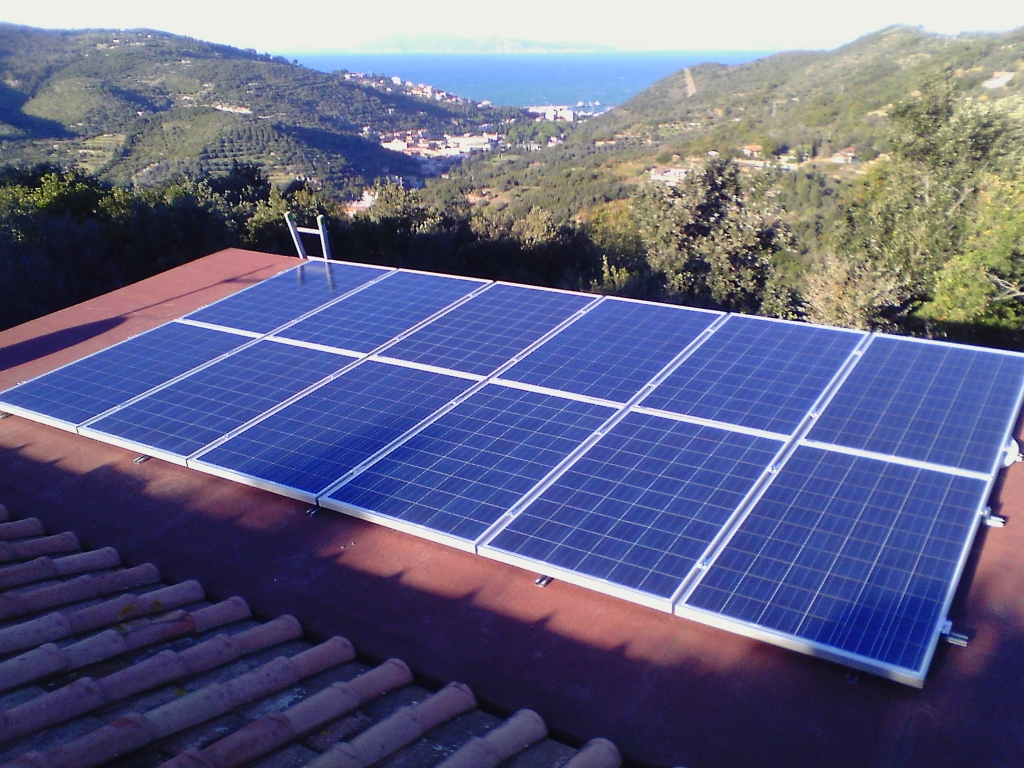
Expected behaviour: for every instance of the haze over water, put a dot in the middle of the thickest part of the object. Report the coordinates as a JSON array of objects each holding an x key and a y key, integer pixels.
[{"x": 526, "y": 79}]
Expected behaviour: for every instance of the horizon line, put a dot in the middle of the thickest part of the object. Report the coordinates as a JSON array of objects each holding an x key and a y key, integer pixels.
[{"x": 392, "y": 51}]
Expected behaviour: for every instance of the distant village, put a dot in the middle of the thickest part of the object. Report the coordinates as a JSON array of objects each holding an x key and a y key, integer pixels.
[
  {"x": 751, "y": 158},
  {"x": 438, "y": 152}
]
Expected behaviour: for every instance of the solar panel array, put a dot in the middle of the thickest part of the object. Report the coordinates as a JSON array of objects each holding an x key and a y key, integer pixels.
[{"x": 817, "y": 488}]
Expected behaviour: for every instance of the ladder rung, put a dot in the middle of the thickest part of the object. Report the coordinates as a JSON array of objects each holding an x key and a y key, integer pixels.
[{"x": 308, "y": 231}]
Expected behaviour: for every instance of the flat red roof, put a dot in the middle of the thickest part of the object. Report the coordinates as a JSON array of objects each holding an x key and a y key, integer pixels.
[{"x": 666, "y": 690}]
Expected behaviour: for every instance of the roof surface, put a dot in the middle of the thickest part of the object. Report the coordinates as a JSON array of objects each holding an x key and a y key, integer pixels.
[
  {"x": 666, "y": 690},
  {"x": 104, "y": 665}
]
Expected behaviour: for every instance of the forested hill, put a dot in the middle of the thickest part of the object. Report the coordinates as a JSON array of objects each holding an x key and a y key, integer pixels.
[
  {"x": 812, "y": 102},
  {"x": 801, "y": 105},
  {"x": 143, "y": 106}
]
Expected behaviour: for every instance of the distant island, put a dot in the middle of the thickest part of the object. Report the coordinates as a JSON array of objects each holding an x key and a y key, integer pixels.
[{"x": 452, "y": 44}]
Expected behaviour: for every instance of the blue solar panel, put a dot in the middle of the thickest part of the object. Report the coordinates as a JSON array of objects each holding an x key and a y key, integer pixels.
[
  {"x": 381, "y": 311},
  {"x": 613, "y": 350},
  {"x": 643, "y": 504},
  {"x": 490, "y": 329},
  {"x": 87, "y": 388},
  {"x": 849, "y": 557},
  {"x": 932, "y": 402},
  {"x": 464, "y": 471},
  {"x": 282, "y": 298},
  {"x": 191, "y": 413},
  {"x": 314, "y": 441},
  {"x": 847, "y": 552},
  {"x": 756, "y": 373}
]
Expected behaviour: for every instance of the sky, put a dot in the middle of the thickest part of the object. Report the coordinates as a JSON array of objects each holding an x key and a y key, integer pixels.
[{"x": 689, "y": 25}]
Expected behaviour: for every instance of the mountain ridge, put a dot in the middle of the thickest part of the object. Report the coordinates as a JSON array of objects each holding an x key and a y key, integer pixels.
[
  {"x": 140, "y": 106},
  {"x": 810, "y": 104}
]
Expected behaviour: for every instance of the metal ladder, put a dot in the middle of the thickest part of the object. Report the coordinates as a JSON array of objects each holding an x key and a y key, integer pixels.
[{"x": 298, "y": 231}]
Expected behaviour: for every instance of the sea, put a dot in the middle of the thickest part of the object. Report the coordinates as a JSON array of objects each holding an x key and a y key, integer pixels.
[{"x": 529, "y": 79}]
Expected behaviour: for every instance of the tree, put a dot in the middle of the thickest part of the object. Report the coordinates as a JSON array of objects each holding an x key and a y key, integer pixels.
[
  {"x": 536, "y": 228},
  {"x": 852, "y": 292},
  {"x": 906, "y": 228},
  {"x": 983, "y": 286},
  {"x": 712, "y": 240}
]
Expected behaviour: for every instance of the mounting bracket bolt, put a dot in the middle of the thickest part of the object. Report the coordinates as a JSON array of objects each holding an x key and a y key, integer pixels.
[
  {"x": 959, "y": 639},
  {"x": 1013, "y": 454}
]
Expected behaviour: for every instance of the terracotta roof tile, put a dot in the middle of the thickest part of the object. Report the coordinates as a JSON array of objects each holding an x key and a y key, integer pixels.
[
  {"x": 389, "y": 675},
  {"x": 48, "y": 659},
  {"x": 44, "y": 568},
  {"x": 216, "y": 651},
  {"x": 137, "y": 730},
  {"x": 27, "y": 573},
  {"x": 20, "y": 529},
  {"x": 225, "y": 612},
  {"x": 118, "y": 738},
  {"x": 521, "y": 730},
  {"x": 280, "y": 630},
  {"x": 34, "y": 633},
  {"x": 131, "y": 606},
  {"x": 40, "y": 662},
  {"x": 76, "y": 590},
  {"x": 277, "y": 729},
  {"x": 166, "y": 667},
  {"x": 399, "y": 730},
  {"x": 58, "y": 544},
  {"x": 58, "y": 729},
  {"x": 596, "y": 753},
  {"x": 114, "y": 642},
  {"x": 85, "y": 694},
  {"x": 57, "y": 626},
  {"x": 84, "y": 562},
  {"x": 62, "y": 705}
]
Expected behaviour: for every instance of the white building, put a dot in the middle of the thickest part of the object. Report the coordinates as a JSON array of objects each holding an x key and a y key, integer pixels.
[
  {"x": 670, "y": 177},
  {"x": 553, "y": 113}
]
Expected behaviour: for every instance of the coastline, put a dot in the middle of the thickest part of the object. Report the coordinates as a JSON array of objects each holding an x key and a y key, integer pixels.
[{"x": 529, "y": 78}]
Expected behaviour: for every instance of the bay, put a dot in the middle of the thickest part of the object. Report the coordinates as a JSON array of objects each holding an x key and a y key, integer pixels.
[{"x": 528, "y": 79}]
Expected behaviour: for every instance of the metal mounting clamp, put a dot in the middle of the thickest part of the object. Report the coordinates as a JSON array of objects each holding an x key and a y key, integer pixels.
[
  {"x": 1013, "y": 454},
  {"x": 991, "y": 520},
  {"x": 959, "y": 639}
]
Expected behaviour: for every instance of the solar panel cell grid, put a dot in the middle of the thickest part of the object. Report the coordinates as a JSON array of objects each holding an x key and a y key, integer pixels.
[
  {"x": 87, "y": 388},
  {"x": 613, "y": 350},
  {"x": 939, "y": 403},
  {"x": 843, "y": 555},
  {"x": 490, "y": 329},
  {"x": 643, "y": 504},
  {"x": 460, "y": 474},
  {"x": 195, "y": 411},
  {"x": 848, "y": 553},
  {"x": 380, "y": 311},
  {"x": 756, "y": 373},
  {"x": 317, "y": 439},
  {"x": 282, "y": 298}
]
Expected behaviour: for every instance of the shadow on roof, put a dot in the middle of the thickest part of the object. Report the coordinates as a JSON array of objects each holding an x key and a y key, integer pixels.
[
  {"x": 667, "y": 691},
  {"x": 40, "y": 346}
]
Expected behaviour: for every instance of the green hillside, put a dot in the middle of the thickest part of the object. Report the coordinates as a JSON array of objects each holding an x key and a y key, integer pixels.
[
  {"x": 806, "y": 104},
  {"x": 812, "y": 102},
  {"x": 140, "y": 106}
]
